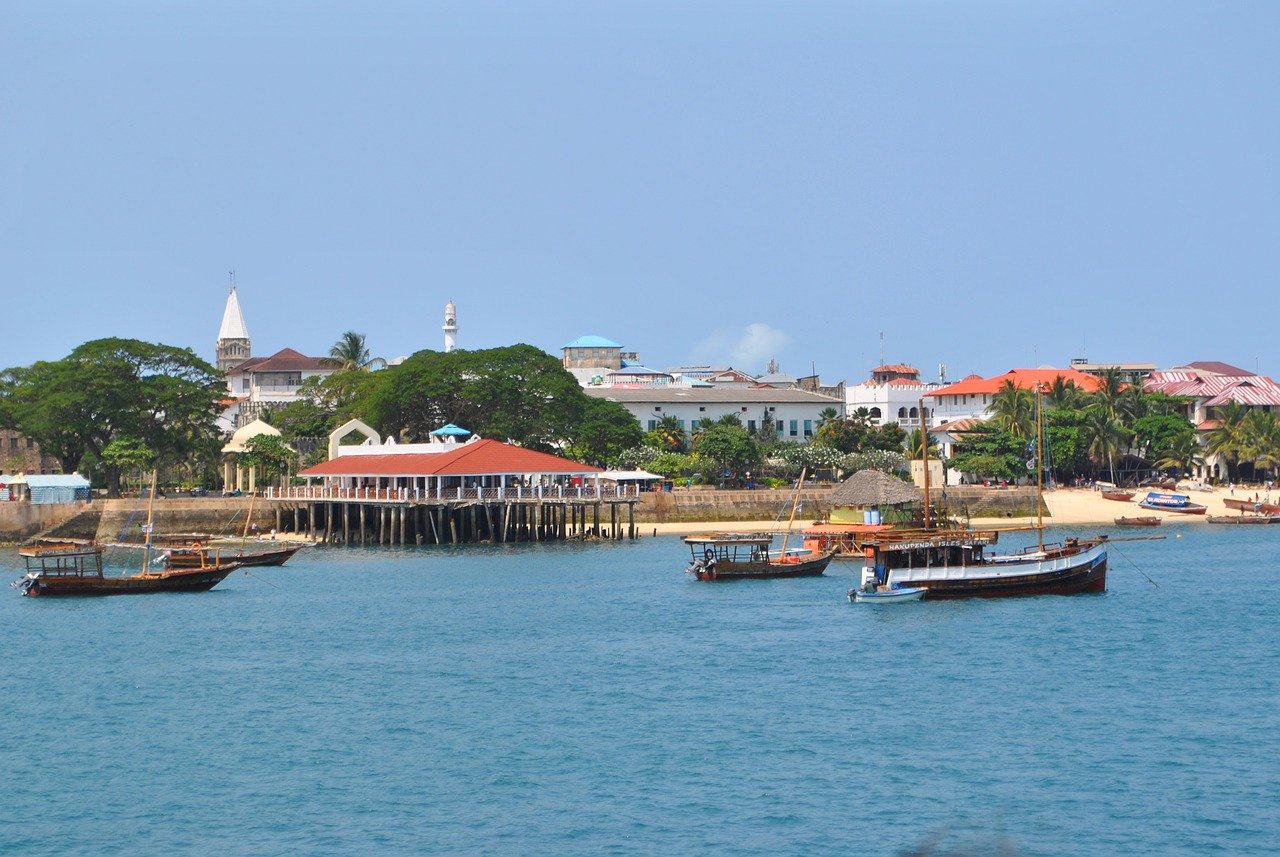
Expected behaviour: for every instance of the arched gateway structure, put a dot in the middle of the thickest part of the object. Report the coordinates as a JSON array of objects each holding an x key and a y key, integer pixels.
[{"x": 451, "y": 490}]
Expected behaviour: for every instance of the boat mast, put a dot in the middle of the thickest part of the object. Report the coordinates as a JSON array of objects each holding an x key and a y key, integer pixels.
[
  {"x": 794, "y": 500},
  {"x": 924, "y": 450},
  {"x": 146, "y": 530},
  {"x": 1039, "y": 467},
  {"x": 244, "y": 537}
]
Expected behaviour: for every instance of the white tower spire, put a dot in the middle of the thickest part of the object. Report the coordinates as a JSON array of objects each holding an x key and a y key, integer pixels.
[
  {"x": 233, "y": 347},
  {"x": 450, "y": 327}
]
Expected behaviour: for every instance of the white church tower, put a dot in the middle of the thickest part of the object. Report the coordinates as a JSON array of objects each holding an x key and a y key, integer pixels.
[
  {"x": 233, "y": 346},
  {"x": 450, "y": 327}
]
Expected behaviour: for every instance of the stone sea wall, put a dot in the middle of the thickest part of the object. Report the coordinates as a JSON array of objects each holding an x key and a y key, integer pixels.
[
  {"x": 711, "y": 505},
  {"x": 20, "y": 521}
]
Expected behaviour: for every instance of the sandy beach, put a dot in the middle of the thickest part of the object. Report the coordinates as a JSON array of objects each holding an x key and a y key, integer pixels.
[{"x": 1067, "y": 506}]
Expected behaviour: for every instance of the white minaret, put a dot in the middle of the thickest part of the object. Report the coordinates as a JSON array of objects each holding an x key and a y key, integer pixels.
[{"x": 450, "y": 327}]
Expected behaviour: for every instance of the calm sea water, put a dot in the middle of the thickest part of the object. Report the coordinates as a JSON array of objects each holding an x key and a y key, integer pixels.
[{"x": 576, "y": 699}]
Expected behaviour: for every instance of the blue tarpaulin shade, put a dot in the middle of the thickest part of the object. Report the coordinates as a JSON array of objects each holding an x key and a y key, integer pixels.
[{"x": 57, "y": 487}]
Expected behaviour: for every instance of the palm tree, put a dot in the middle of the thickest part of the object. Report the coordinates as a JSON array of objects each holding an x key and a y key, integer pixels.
[
  {"x": 1110, "y": 393},
  {"x": 1185, "y": 455},
  {"x": 1105, "y": 436},
  {"x": 1229, "y": 438},
  {"x": 914, "y": 452},
  {"x": 350, "y": 354},
  {"x": 670, "y": 433},
  {"x": 826, "y": 415},
  {"x": 1013, "y": 409},
  {"x": 1261, "y": 442},
  {"x": 1063, "y": 394}
]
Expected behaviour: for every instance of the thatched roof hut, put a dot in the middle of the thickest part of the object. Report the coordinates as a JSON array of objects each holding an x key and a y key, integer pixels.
[{"x": 868, "y": 488}]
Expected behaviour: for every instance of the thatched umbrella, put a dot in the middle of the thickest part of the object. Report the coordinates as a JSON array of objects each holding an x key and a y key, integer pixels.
[{"x": 873, "y": 488}]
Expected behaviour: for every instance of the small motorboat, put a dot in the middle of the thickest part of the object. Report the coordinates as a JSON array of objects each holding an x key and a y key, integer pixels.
[
  {"x": 1151, "y": 521},
  {"x": 886, "y": 595},
  {"x": 872, "y": 591},
  {"x": 1117, "y": 494}
]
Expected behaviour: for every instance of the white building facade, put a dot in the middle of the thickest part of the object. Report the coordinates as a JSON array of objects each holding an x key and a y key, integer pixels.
[{"x": 794, "y": 414}]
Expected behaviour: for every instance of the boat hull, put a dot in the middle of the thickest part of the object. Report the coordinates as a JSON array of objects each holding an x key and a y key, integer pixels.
[
  {"x": 184, "y": 580},
  {"x": 1121, "y": 496},
  {"x": 1073, "y": 574},
  {"x": 196, "y": 557},
  {"x": 1188, "y": 509},
  {"x": 1138, "y": 522},
  {"x": 892, "y": 596},
  {"x": 724, "y": 570}
]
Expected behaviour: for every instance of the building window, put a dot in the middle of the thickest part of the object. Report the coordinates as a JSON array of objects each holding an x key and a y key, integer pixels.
[
  {"x": 778, "y": 423},
  {"x": 913, "y": 413},
  {"x": 751, "y": 426},
  {"x": 653, "y": 424},
  {"x": 808, "y": 428},
  {"x": 902, "y": 413},
  {"x": 875, "y": 414},
  {"x": 702, "y": 407},
  {"x": 795, "y": 428}
]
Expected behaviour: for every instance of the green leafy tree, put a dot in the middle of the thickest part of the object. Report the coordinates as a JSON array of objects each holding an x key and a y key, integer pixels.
[
  {"x": 988, "y": 451},
  {"x": 163, "y": 396},
  {"x": 728, "y": 448},
  {"x": 129, "y": 454},
  {"x": 270, "y": 454},
  {"x": 668, "y": 434},
  {"x": 605, "y": 430},
  {"x": 1156, "y": 434},
  {"x": 517, "y": 394},
  {"x": 890, "y": 437}
]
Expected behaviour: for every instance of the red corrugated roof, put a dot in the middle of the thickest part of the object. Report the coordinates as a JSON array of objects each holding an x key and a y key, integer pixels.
[
  {"x": 1026, "y": 379},
  {"x": 284, "y": 360},
  {"x": 1251, "y": 390},
  {"x": 478, "y": 458}
]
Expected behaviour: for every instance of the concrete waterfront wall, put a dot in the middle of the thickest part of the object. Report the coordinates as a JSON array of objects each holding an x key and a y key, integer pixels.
[
  {"x": 978, "y": 501},
  {"x": 20, "y": 521},
  {"x": 218, "y": 516},
  {"x": 713, "y": 505}
]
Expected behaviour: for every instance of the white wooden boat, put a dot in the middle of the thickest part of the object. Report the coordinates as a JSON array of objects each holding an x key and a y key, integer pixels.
[{"x": 886, "y": 595}]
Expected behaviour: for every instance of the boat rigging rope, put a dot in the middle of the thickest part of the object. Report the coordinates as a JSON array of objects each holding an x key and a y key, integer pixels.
[{"x": 1111, "y": 544}]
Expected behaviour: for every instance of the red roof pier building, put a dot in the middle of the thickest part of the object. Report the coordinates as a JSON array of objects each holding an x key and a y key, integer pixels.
[{"x": 450, "y": 491}]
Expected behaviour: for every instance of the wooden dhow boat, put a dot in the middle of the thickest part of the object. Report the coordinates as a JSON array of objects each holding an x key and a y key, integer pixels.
[
  {"x": 70, "y": 567},
  {"x": 1142, "y": 521},
  {"x": 1243, "y": 519},
  {"x": 1118, "y": 494},
  {"x": 1252, "y": 506},
  {"x": 953, "y": 563},
  {"x": 749, "y": 556},
  {"x": 199, "y": 554},
  {"x": 1165, "y": 502}
]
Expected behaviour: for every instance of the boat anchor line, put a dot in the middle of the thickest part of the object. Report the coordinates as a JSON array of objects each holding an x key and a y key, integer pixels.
[{"x": 1134, "y": 564}]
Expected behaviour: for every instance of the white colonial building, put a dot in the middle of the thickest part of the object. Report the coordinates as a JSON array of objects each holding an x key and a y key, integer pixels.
[
  {"x": 795, "y": 414},
  {"x": 891, "y": 394},
  {"x": 254, "y": 383}
]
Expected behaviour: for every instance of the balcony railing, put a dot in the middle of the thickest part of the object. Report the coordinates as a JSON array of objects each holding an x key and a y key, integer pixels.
[{"x": 455, "y": 494}]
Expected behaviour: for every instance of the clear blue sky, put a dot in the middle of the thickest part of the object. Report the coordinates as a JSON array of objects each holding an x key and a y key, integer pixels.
[{"x": 991, "y": 184}]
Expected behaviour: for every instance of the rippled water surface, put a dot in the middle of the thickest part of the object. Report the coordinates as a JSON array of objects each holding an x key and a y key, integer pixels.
[{"x": 575, "y": 699}]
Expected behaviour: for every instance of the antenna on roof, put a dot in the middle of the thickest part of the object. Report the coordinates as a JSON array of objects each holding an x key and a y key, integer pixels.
[
  {"x": 882, "y": 348},
  {"x": 232, "y": 275}
]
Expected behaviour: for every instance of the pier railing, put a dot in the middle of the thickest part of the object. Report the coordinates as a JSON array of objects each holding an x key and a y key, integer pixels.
[{"x": 517, "y": 493}]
